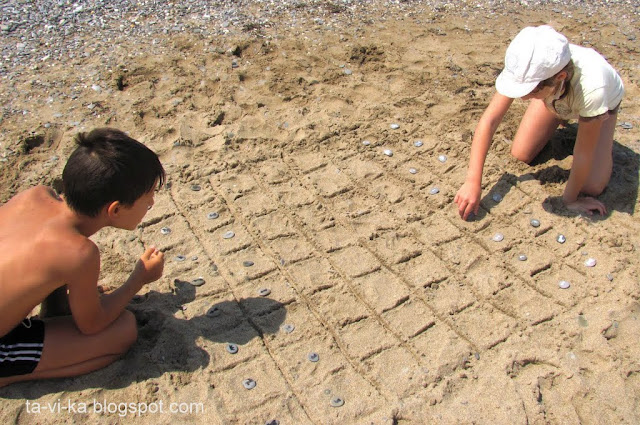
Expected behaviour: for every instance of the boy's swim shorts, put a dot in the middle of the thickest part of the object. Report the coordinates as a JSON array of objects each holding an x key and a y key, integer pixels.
[{"x": 21, "y": 348}]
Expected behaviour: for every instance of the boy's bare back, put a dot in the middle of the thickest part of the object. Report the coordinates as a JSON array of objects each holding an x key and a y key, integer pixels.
[{"x": 40, "y": 246}]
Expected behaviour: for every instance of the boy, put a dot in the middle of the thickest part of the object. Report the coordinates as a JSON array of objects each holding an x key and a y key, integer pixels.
[{"x": 109, "y": 180}]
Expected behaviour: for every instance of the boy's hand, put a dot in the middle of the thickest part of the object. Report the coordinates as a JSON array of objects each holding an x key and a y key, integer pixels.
[
  {"x": 587, "y": 205},
  {"x": 150, "y": 265},
  {"x": 468, "y": 199}
]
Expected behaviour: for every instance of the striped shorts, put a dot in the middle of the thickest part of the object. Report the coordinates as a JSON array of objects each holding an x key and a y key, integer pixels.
[{"x": 20, "y": 349}]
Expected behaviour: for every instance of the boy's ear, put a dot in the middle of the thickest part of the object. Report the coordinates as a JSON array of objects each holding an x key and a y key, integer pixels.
[{"x": 113, "y": 209}]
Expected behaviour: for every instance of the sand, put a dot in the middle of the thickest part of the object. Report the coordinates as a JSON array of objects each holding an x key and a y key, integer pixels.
[{"x": 416, "y": 316}]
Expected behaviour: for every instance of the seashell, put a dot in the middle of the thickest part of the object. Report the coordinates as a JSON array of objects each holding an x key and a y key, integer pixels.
[
  {"x": 591, "y": 262},
  {"x": 626, "y": 125},
  {"x": 522, "y": 257},
  {"x": 388, "y": 152},
  {"x": 563, "y": 284},
  {"x": 214, "y": 312},
  {"x": 213, "y": 215},
  {"x": 288, "y": 328},
  {"x": 418, "y": 143},
  {"x": 434, "y": 190},
  {"x": 263, "y": 292},
  {"x": 195, "y": 187},
  {"x": 413, "y": 171},
  {"x": 337, "y": 402},
  {"x": 366, "y": 143},
  {"x": 165, "y": 230},
  {"x": 395, "y": 126},
  {"x": 228, "y": 235},
  {"x": 498, "y": 237},
  {"x": 180, "y": 258},
  {"x": 496, "y": 197},
  {"x": 534, "y": 222},
  {"x": 232, "y": 348},
  {"x": 194, "y": 258},
  {"x": 313, "y": 357},
  {"x": 247, "y": 263},
  {"x": 249, "y": 383},
  {"x": 442, "y": 158},
  {"x": 348, "y": 72},
  {"x": 561, "y": 239},
  {"x": 197, "y": 281}
]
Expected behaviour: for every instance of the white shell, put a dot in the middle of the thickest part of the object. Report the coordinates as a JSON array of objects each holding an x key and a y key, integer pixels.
[
  {"x": 563, "y": 284},
  {"x": 442, "y": 158},
  {"x": 417, "y": 143},
  {"x": 366, "y": 143},
  {"x": 165, "y": 230},
  {"x": 388, "y": 152},
  {"x": 413, "y": 170},
  {"x": 395, "y": 126},
  {"x": 522, "y": 257},
  {"x": 434, "y": 190},
  {"x": 561, "y": 239},
  {"x": 228, "y": 235},
  {"x": 498, "y": 237},
  {"x": 534, "y": 222},
  {"x": 591, "y": 262},
  {"x": 496, "y": 197}
]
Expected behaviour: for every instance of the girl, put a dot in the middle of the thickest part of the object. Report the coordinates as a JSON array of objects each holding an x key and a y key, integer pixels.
[{"x": 562, "y": 81}]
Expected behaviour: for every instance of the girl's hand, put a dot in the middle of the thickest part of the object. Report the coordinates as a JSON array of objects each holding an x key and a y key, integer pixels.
[
  {"x": 587, "y": 205},
  {"x": 150, "y": 265},
  {"x": 468, "y": 199}
]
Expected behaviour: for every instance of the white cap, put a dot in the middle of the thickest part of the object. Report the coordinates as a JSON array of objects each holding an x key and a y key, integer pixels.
[{"x": 535, "y": 54}]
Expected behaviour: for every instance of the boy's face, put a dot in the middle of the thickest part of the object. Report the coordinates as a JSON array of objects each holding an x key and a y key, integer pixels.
[{"x": 132, "y": 215}]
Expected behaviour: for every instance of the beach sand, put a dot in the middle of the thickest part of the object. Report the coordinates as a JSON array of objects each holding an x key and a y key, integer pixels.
[{"x": 416, "y": 317}]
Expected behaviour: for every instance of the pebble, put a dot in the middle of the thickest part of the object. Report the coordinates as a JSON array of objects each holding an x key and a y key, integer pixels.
[
  {"x": 232, "y": 348},
  {"x": 388, "y": 152},
  {"x": 535, "y": 223},
  {"x": 413, "y": 171},
  {"x": 522, "y": 257},
  {"x": 496, "y": 197},
  {"x": 263, "y": 292},
  {"x": 337, "y": 402},
  {"x": 228, "y": 235},
  {"x": 561, "y": 239},
  {"x": 348, "y": 72},
  {"x": 247, "y": 263},
  {"x": 198, "y": 281},
  {"x": 626, "y": 125},
  {"x": 366, "y": 143},
  {"x": 563, "y": 284},
  {"x": 313, "y": 357},
  {"x": 610, "y": 277},
  {"x": 591, "y": 262},
  {"x": 272, "y": 422},
  {"x": 213, "y": 215},
  {"x": 214, "y": 312},
  {"x": 395, "y": 126},
  {"x": 180, "y": 258},
  {"x": 288, "y": 328},
  {"x": 249, "y": 383},
  {"x": 196, "y": 187},
  {"x": 165, "y": 230},
  {"x": 434, "y": 190},
  {"x": 442, "y": 158},
  {"x": 498, "y": 237},
  {"x": 418, "y": 143}
]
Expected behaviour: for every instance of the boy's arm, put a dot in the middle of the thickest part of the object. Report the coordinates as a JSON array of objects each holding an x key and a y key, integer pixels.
[
  {"x": 583, "y": 157},
  {"x": 91, "y": 312},
  {"x": 468, "y": 196}
]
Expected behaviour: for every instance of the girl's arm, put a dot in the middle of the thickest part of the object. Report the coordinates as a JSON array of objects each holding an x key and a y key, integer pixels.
[
  {"x": 583, "y": 157},
  {"x": 468, "y": 196}
]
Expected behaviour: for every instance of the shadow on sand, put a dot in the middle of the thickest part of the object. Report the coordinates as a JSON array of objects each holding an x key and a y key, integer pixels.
[
  {"x": 620, "y": 195},
  {"x": 169, "y": 344}
]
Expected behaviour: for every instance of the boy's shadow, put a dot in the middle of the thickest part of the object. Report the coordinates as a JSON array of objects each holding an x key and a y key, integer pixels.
[
  {"x": 621, "y": 193},
  {"x": 167, "y": 343}
]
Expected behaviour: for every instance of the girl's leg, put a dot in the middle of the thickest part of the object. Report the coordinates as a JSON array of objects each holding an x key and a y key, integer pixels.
[
  {"x": 68, "y": 352},
  {"x": 536, "y": 128},
  {"x": 603, "y": 158}
]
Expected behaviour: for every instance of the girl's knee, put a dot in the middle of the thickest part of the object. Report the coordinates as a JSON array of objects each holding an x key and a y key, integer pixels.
[
  {"x": 594, "y": 189},
  {"x": 521, "y": 154}
]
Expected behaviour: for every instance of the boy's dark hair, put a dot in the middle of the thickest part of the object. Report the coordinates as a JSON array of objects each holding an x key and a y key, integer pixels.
[{"x": 106, "y": 166}]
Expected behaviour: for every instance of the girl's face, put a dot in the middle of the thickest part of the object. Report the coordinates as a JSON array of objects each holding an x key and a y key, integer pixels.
[{"x": 543, "y": 91}]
